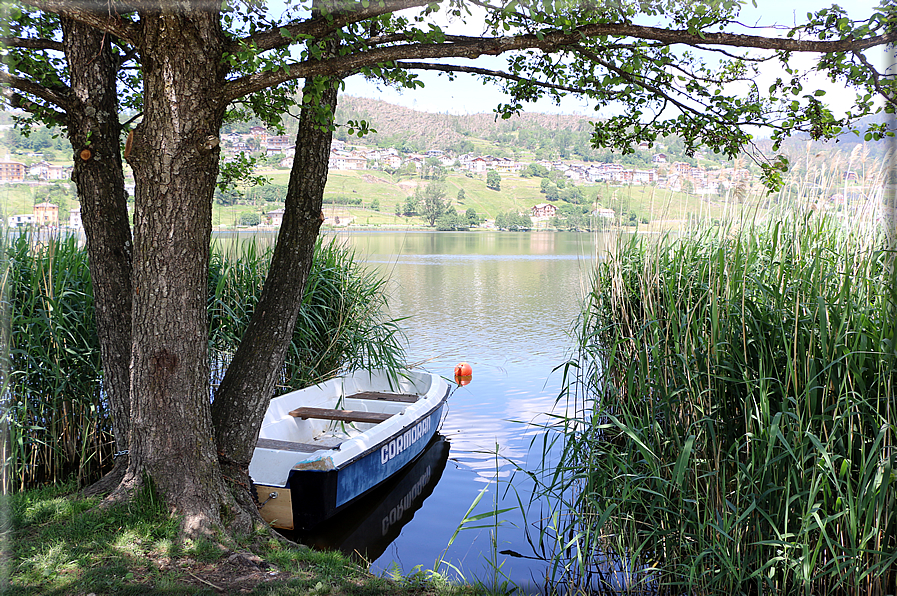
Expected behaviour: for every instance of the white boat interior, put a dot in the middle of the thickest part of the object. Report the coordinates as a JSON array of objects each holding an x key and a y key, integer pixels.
[{"x": 323, "y": 426}]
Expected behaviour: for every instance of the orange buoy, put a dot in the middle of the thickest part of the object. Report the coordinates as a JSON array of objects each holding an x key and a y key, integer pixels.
[
  {"x": 462, "y": 369},
  {"x": 463, "y": 374}
]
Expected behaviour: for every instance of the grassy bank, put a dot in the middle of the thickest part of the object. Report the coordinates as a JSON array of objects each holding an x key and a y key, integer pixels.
[
  {"x": 55, "y": 416},
  {"x": 59, "y": 544},
  {"x": 737, "y": 423}
]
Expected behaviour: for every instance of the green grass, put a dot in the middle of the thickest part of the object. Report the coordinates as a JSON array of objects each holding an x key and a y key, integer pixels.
[
  {"x": 735, "y": 432},
  {"x": 57, "y": 543}
]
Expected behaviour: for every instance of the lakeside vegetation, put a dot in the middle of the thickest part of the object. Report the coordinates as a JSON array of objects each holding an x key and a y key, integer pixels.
[
  {"x": 735, "y": 389},
  {"x": 56, "y": 419},
  {"x": 678, "y": 488}
]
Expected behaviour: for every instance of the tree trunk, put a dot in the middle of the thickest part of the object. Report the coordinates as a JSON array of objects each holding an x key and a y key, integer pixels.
[
  {"x": 93, "y": 130},
  {"x": 175, "y": 159},
  {"x": 248, "y": 385}
]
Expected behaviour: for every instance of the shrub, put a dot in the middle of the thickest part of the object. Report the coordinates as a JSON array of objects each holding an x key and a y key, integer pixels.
[{"x": 250, "y": 218}]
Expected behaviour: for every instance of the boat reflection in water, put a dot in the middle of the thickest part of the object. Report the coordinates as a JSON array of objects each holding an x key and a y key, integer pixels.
[{"x": 366, "y": 528}]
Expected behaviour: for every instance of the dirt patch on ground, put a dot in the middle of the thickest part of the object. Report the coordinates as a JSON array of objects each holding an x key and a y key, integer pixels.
[
  {"x": 408, "y": 184},
  {"x": 244, "y": 572},
  {"x": 374, "y": 180},
  {"x": 238, "y": 573}
]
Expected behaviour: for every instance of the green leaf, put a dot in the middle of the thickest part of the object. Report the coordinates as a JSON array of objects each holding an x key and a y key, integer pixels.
[{"x": 682, "y": 462}]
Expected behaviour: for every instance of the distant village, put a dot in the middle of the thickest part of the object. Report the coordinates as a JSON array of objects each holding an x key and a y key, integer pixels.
[
  {"x": 676, "y": 176},
  {"x": 361, "y": 158}
]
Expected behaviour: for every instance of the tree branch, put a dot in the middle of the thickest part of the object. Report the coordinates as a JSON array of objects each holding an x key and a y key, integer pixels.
[
  {"x": 31, "y": 43},
  {"x": 736, "y": 57},
  {"x": 486, "y": 72},
  {"x": 125, "y": 125},
  {"x": 19, "y": 102},
  {"x": 127, "y": 56},
  {"x": 684, "y": 108},
  {"x": 322, "y": 26},
  {"x": 407, "y": 36},
  {"x": 888, "y": 94},
  {"x": 62, "y": 98},
  {"x": 344, "y": 65},
  {"x": 99, "y": 15},
  {"x": 639, "y": 81}
]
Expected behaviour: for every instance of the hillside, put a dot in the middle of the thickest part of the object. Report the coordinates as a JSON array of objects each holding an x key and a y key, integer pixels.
[
  {"x": 443, "y": 131},
  {"x": 529, "y": 135},
  {"x": 372, "y": 197}
]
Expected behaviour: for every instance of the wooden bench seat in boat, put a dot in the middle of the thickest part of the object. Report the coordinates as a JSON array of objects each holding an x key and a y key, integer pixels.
[
  {"x": 291, "y": 446},
  {"x": 405, "y": 398},
  {"x": 340, "y": 415}
]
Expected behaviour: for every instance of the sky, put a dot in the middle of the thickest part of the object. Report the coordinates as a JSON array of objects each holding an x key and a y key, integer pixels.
[{"x": 467, "y": 94}]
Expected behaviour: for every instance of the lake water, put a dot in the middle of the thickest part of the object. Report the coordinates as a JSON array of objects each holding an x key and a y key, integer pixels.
[{"x": 504, "y": 302}]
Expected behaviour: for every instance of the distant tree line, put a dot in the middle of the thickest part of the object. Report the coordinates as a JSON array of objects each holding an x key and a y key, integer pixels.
[
  {"x": 52, "y": 143},
  {"x": 513, "y": 221},
  {"x": 272, "y": 193}
]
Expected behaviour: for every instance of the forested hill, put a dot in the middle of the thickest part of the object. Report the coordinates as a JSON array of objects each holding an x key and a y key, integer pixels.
[
  {"x": 542, "y": 136},
  {"x": 441, "y": 131},
  {"x": 551, "y": 136}
]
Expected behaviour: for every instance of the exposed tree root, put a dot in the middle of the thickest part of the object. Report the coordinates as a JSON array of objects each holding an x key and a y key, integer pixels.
[
  {"x": 125, "y": 491},
  {"x": 110, "y": 481}
]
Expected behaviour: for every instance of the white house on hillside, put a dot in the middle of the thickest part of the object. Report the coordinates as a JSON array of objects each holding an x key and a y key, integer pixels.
[
  {"x": 275, "y": 218},
  {"x": 544, "y": 210}
]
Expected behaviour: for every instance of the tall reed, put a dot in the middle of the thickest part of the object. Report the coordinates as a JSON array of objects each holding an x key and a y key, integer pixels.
[
  {"x": 736, "y": 431},
  {"x": 57, "y": 421},
  {"x": 53, "y": 407},
  {"x": 342, "y": 323}
]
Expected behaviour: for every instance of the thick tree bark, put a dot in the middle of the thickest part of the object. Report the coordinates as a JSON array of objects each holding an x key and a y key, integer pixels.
[
  {"x": 175, "y": 159},
  {"x": 93, "y": 130},
  {"x": 248, "y": 385}
]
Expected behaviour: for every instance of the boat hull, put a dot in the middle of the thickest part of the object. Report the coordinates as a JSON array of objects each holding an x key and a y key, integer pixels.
[{"x": 316, "y": 495}]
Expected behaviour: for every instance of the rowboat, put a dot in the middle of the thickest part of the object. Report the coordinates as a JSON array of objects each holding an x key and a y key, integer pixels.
[{"x": 323, "y": 447}]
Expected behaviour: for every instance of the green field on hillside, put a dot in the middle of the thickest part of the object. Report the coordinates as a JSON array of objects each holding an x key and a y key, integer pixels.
[
  {"x": 390, "y": 192},
  {"x": 516, "y": 194}
]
